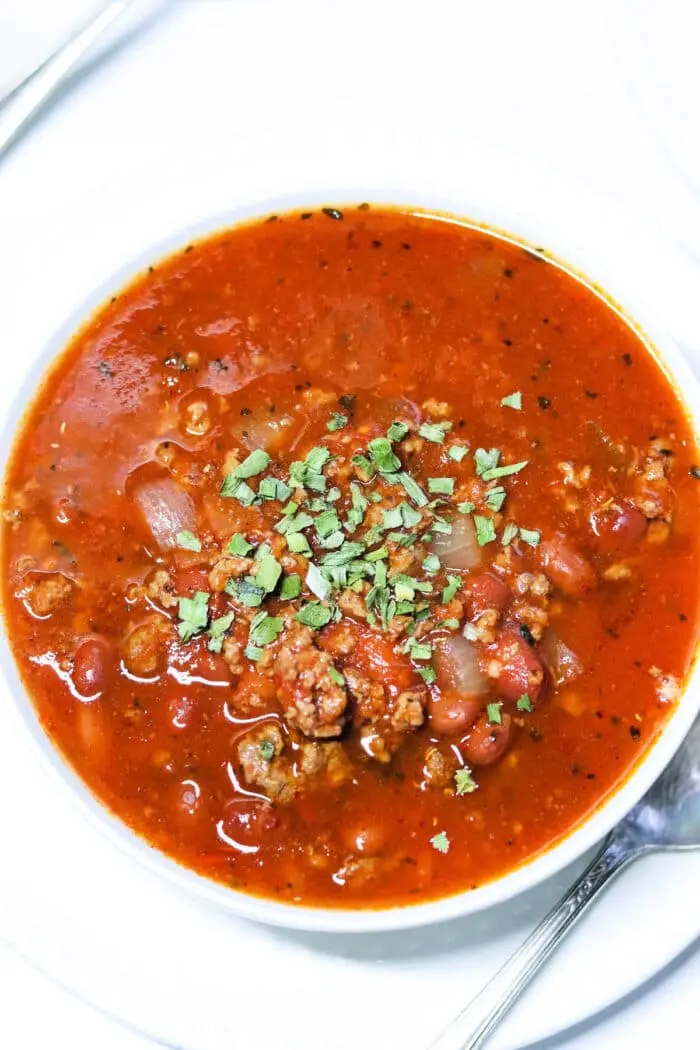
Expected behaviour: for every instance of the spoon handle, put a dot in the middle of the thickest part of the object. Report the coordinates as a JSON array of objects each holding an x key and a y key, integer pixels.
[
  {"x": 27, "y": 98},
  {"x": 473, "y": 1026}
]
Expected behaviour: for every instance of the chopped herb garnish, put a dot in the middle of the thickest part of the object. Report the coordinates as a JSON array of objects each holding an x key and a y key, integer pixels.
[
  {"x": 465, "y": 508},
  {"x": 440, "y": 842},
  {"x": 413, "y": 489},
  {"x": 509, "y": 533},
  {"x": 427, "y": 674},
  {"x": 238, "y": 546},
  {"x": 464, "y": 781},
  {"x": 431, "y": 563},
  {"x": 268, "y": 573},
  {"x": 493, "y": 714},
  {"x": 434, "y": 432},
  {"x": 317, "y": 582},
  {"x": 291, "y": 587},
  {"x": 314, "y": 614},
  {"x": 377, "y": 555},
  {"x": 246, "y": 591},
  {"x": 326, "y": 523},
  {"x": 504, "y": 471},
  {"x": 453, "y": 585},
  {"x": 495, "y": 498},
  {"x": 236, "y": 488},
  {"x": 457, "y": 452},
  {"x": 450, "y": 624},
  {"x": 217, "y": 630},
  {"x": 267, "y": 750},
  {"x": 188, "y": 541},
  {"x": 273, "y": 488},
  {"x": 298, "y": 544},
  {"x": 531, "y": 536},
  {"x": 397, "y": 431},
  {"x": 347, "y": 553},
  {"x": 193, "y": 614},
  {"x": 383, "y": 455},
  {"x": 336, "y": 422},
  {"x": 264, "y": 629},
  {"x": 335, "y": 674},
  {"x": 524, "y": 703},
  {"x": 484, "y": 460},
  {"x": 420, "y": 651},
  {"x": 485, "y": 532},
  {"x": 513, "y": 401},
  {"x": 441, "y": 486},
  {"x": 255, "y": 463},
  {"x": 294, "y": 522}
]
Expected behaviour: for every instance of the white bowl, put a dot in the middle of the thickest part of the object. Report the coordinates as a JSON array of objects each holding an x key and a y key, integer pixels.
[{"x": 530, "y": 231}]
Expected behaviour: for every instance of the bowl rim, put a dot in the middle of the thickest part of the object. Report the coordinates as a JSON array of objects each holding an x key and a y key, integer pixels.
[{"x": 516, "y": 229}]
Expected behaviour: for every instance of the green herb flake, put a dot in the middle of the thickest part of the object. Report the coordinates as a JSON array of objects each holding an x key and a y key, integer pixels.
[
  {"x": 485, "y": 532},
  {"x": 235, "y": 488},
  {"x": 464, "y": 781},
  {"x": 264, "y": 629},
  {"x": 453, "y": 585},
  {"x": 298, "y": 544},
  {"x": 188, "y": 541},
  {"x": 434, "y": 432},
  {"x": 378, "y": 554},
  {"x": 440, "y": 842},
  {"x": 504, "y": 471},
  {"x": 317, "y": 583},
  {"x": 245, "y": 591},
  {"x": 193, "y": 614},
  {"x": 524, "y": 703},
  {"x": 450, "y": 624},
  {"x": 255, "y": 463},
  {"x": 509, "y": 533},
  {"x": 336, "y": 422},
  {"x": 465, "y": 508},
  {"x": 217, "y": 630},
  {"x": 486, "y": 460},
  {"x": 457, "y": 452},
  {"x": 412, "y": 488},
  {"x": 314, "y": 614},
  {"x": 495, "y": 498},
  {"x": 254, "y": 652},
  {"x": 493, "y": 714},
  {"x": 326, "y": 523},
  {"x": 397, "y": 431},
  {"x": 383, "y": 455},
  {"x": 291, "y": 587},
  {"x": 427, "y": 674},
  {"x": 238, "y": 546},
  {"x": 431, "y": 564},
  {"x": 441, "y": 486},
  {"x": 336, "y": 676},
  {"x": 268, "y": 573},
  {"x": 420, "y": 651},
  {"x": 273, "y": 488},
  {"x": 514, "y": 400},
  {"x": 531, "y": 536},
  {"x": 294, "y": 522},
  {"x": 267, "y": 750}
]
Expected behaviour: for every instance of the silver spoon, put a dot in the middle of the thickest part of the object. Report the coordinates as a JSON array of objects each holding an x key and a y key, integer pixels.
[
  {"x": 27, "y": 98},
  {"x": 667, "y": 818}
]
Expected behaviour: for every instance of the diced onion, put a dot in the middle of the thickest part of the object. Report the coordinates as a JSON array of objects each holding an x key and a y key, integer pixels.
[
  {"x": 457, "y": 665},
  {"x": 564, "y": 665},
  {"x": 458, "y": 549},
  {"x": 167, "y": 510}
]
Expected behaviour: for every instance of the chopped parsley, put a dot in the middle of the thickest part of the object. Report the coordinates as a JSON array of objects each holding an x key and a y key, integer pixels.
[
  {"x": 465, "y": 508},
  {"x": 485, "y": 531},
  {"x": 314, "y": 614},
  {"x": 268, "y": 573},
  {"x": 530, "y": 536},
  {"x": 336, "y": 422},
  {"x": 263, "y": 630},
  {"x": 493, "y": 714},
  {"x": 239, "y": 546},
  {"x": 335, "y": 675},
  {"x": 427, "y": 674},
  {"x": 509, "y": 533},
  {"x": 384, "y": 457},
  {"x": 193, "y": 614},
  {"x": 431, "y": 564},
  {"x": 291, "y": 587},
  {"x": 440, "y": 842},
  {"x": 188, "y": 541},
  {"x": 453, "y": 585},
  {"x": 434, "y": 431},
  {"x": 464, "y": 781},
  {"x": 441, "y": 486},
  {"x": 397, "y": 431},
  {"x": 317, "y": 582},
  {"x": 217, "y": 630},
  {"x": 495, "y": 498},
  {"x": 513, "y": 401},
  {"x": 255, "y": 463},
  {"x": 413, "y": 489},
  {"x": 267, "y": 750},
  {"x": 524, "y": 703},
  {"x": 457, "y": 452}
]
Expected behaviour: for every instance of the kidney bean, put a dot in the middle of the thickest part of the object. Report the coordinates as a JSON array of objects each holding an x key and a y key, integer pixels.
[
  {"x": 487, "y": 742},
  {"x": 247, "y": 820},
  {"x": 522, "y": 670},
  {"x": 486, "y": 591},
  {"x": 566, "y": 567},
  {"x": 618, "y": 528},
  {"x": 452, "y": 713},
  {"x": 92, "y": 666}
]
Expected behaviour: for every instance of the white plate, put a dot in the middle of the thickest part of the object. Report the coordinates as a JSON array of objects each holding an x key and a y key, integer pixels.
[{"x": 190, "y": 975}]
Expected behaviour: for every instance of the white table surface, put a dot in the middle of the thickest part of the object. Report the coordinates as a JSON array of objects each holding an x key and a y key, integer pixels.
[{"x": 582, "y": 84}]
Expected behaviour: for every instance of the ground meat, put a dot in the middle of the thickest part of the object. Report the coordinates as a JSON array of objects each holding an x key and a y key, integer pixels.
[
  {"x": 224, "y": 568},
  {"x": 617, "y": 571},
  {"x": 352, "y": 604},
  {"x": 407, "y": 710},
  {"x": 232, "y": 652},
  {"x": 329, "y": 759},
  {"x": 483, "y": 629},
  {"x": 313, "y": 701},
  {"x": 144, "y": 648},
  {"x": 439, "y": 767},
  {"x": 46, "y": 593},
  {"x": 535, "y": 617},
  {"x": 437, "y": 409},
  {"x": 652, "y": 493},
  {"x": 369, "y": 698},
  {"x": 272, "y": 774},
  {"x": 160, "y": 589}
]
